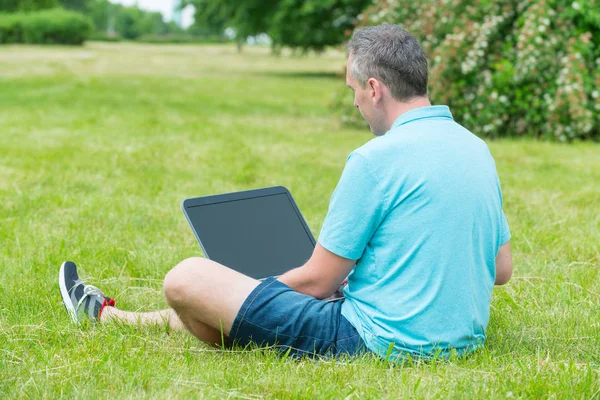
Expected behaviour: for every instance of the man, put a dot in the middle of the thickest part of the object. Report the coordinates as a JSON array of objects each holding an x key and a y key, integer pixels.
[{"x": 415, "y": 224}]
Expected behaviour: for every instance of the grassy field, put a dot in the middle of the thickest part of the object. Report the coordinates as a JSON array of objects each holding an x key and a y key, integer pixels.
[{"x": 98, "y": 146}]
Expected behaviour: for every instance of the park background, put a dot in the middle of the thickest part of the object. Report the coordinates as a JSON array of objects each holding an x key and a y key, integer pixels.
[{"x": 110, "y": 116}]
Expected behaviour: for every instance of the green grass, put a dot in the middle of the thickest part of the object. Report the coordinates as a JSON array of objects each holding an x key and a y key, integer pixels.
[{"x": 99, "y": 145}]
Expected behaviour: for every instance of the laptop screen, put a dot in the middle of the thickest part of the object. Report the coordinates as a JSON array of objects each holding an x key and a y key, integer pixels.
[{"x": 258, "y": 236}]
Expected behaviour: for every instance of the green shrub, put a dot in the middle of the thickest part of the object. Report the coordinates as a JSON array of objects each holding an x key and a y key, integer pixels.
[
  {"x": 162, "y": 39},
  {"x": 56, "y": 26},
  {"x": 103, "y": 37},
  {"x": 507, "y": 67},
  {"x": 11, "y": 30},
  {"x": 11, "y": 6}
]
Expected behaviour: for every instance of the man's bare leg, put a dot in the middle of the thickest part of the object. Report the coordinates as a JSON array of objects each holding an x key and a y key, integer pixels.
[
  {"x": 207, "y": 296},
  {"x": 204, "y": 332},
  {"x": 142, "y": 318}
]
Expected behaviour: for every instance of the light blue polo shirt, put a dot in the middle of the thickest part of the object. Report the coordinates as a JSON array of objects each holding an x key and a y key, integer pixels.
[{"x": 420, "y": 208}]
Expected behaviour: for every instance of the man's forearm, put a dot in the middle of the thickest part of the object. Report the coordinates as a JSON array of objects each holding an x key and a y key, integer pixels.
[
  {"x": 303, "y": 281},
  {"x": 321, "y": 276}
]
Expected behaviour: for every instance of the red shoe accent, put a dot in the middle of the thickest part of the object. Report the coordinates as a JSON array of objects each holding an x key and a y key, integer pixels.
[{"x": 110, "y": 303}]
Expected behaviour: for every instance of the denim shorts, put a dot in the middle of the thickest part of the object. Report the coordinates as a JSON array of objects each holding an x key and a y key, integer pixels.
[{"x": 276, "y": 316}]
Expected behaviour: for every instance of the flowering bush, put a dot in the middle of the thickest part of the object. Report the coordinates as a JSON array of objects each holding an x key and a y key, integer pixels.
[{"x": 507, "y": 67}]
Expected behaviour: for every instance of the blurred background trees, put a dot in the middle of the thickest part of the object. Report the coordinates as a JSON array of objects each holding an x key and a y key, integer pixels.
[
  {"x": 505, "y": 67},
  {"x": 26, "y": 5},
  {"x": 123, "y": 21},
  {"x": 98, "y": 19},
  {"x": 298, "y": 24}
]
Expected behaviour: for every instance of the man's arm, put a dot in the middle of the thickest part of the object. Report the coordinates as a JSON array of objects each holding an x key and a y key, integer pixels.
[
  {"x": 356, "y": 209},
  {"x": 321, "y": 275},
  {"x": 504, "y": 265}
]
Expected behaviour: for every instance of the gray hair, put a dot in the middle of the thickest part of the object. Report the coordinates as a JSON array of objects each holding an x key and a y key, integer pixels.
[{"x": 393, "y": 56}]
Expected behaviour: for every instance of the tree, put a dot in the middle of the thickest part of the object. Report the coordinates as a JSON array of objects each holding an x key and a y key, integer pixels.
[
  {"x": 306, "y": 24},
  {"x": 27, "y": 5},
  {"x": 101, "y": 12},
  {"x": 211, "y": 18},
  {"x": 247, "y": 18},
  {"x": 77, "y": 5},
  {"x": 314, "y": 24},
  {"x": 127, "y": 22}
]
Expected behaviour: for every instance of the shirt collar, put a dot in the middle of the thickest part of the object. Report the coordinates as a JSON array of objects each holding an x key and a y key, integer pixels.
[{"x": 422, "y": 113}]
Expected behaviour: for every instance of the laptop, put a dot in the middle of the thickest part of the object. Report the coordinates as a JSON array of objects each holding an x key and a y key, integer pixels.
[{"x": 259, "y": 232}]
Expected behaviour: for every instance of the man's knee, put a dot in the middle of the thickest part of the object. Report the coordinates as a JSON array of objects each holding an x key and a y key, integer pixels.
[{"x": 180, "y": 280}]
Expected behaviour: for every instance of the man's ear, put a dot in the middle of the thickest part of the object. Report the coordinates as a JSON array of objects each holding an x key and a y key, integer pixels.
[{"x": 375, "y": 88}]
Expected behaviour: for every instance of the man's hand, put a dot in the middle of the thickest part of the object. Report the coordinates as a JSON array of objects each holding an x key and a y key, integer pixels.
[{"x": 321, "y": 276}]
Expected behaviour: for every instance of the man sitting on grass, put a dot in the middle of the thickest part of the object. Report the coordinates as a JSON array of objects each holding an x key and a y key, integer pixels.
[{"x": 415, "y": 223}]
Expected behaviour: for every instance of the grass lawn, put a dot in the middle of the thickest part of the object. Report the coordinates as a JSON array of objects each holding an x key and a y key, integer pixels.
[{"x": 99, "y": 145}]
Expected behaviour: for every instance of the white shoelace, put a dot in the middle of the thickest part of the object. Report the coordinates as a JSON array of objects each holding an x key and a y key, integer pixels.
[{"x": 88, "y": 290}]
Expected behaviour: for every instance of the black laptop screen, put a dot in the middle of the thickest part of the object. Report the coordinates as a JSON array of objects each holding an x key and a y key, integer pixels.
[{"x": 259, "y": 236}]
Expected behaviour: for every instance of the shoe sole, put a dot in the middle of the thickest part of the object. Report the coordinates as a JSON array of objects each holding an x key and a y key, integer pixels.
[{"x": 65, "y": 294}]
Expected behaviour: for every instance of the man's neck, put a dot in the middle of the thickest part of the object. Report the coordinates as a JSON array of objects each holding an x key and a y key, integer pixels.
[{"x": 398, "y": 108}]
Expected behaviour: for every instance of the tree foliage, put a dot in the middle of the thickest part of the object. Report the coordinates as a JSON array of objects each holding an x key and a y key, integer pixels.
[
  {"x": 77, "y": 5},
  {"x": 247, "y": 18},
  {"x": 509, "y": 67},
  {"x": 305, "y": 24},
  {"x": 26, "y": 5},
  {"x": 127, "y": 22},
  {"x": 314, "y": 24}
]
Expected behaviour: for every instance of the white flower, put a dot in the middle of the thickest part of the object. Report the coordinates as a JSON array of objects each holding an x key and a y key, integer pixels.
[
  {"x": 595, "y": 94},
  {"x": 541, "y": 28},
  {"x": 494, "y": 95},
  {"x": 575, "y": 5},
  {"x": 503, "y": 99}
]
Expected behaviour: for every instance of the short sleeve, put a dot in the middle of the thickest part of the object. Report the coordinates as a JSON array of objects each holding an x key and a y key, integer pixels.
[
  {"x": 504, "y": 230},
  {"x": 356, "y": 209}
]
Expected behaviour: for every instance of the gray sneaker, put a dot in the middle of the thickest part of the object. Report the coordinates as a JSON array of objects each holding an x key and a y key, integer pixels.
[{"x": 81, "y": 301}]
